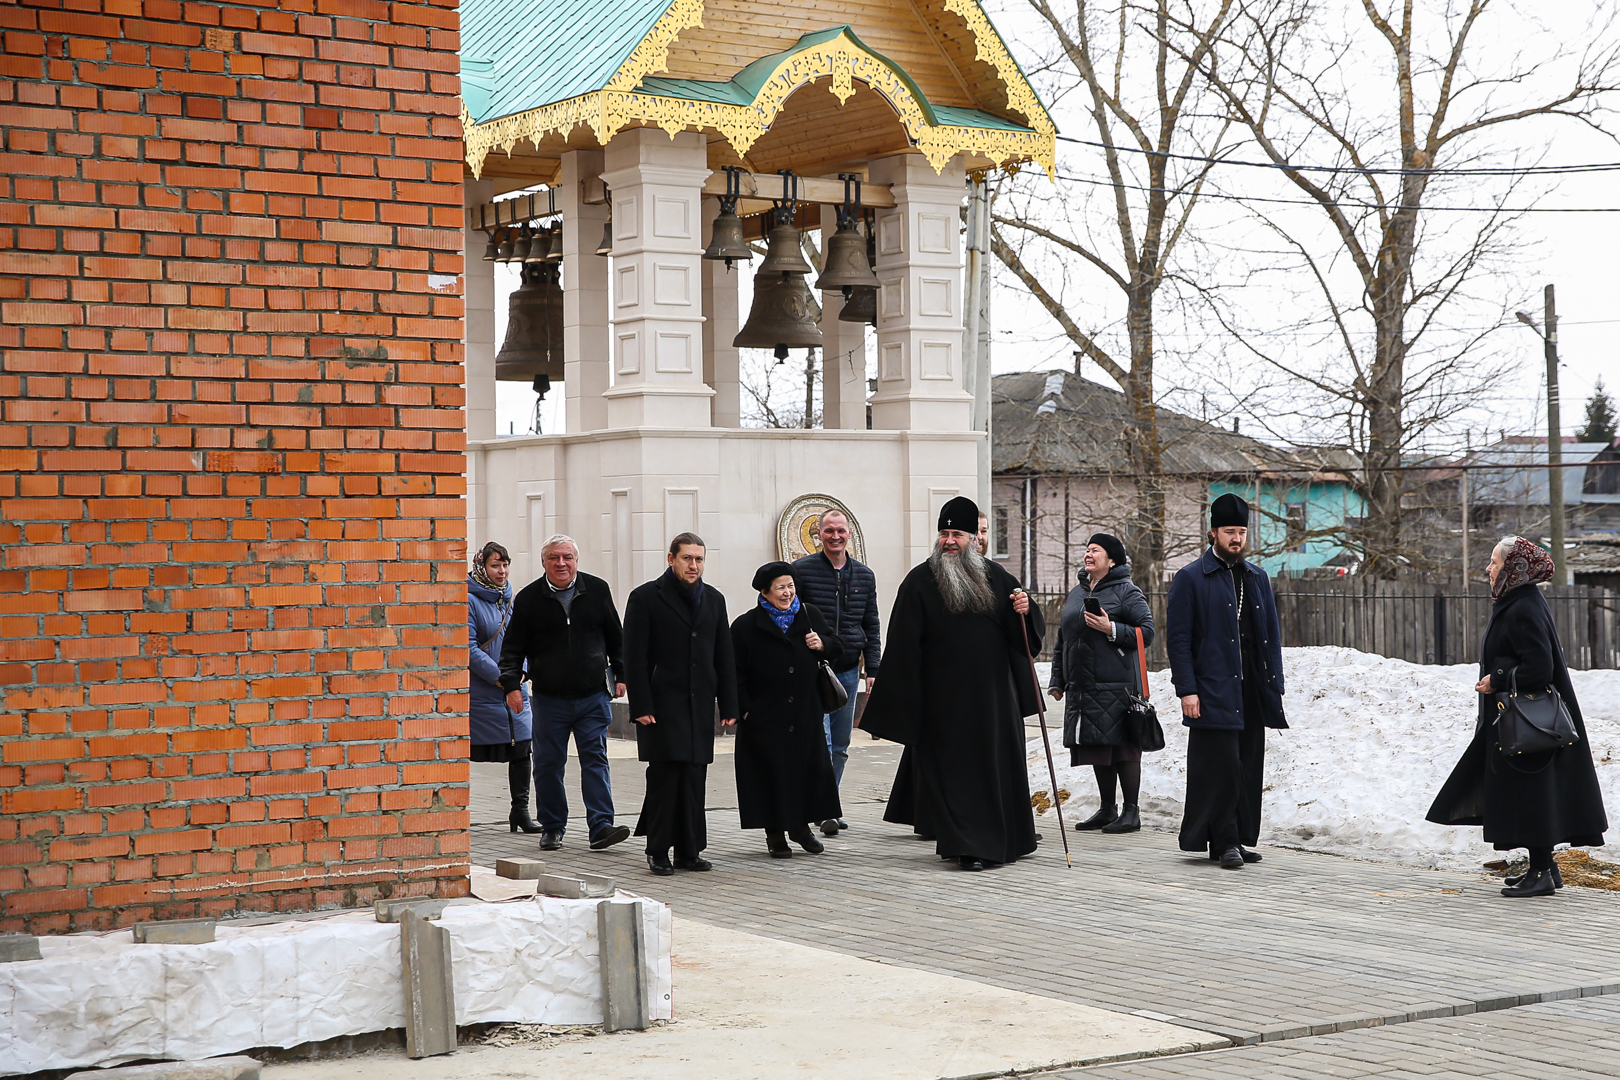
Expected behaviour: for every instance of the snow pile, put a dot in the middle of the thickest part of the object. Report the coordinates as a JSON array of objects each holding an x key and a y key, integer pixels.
[{"x": 1370, "y": 742}]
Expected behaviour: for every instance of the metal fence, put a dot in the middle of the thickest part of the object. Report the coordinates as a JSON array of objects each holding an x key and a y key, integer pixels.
[{"x": 1425, "y": 624}]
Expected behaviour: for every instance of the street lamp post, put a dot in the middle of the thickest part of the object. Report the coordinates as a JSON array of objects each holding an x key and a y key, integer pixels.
[{"x": 1555, "y": 438}]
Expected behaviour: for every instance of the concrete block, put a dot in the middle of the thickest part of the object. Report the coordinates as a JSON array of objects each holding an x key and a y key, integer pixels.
[
  {"x": 619, "y": 939},
  {"x": 575, "y": 886},
  {"x": 174, "y": 932},
  {"x": 520, "y": 868},
  {"x": 18, "y": 947},
  {"x": 425, "y": 906},
  {"x": 220, "y": 1068},
  {"x": 430, "y": 993}
]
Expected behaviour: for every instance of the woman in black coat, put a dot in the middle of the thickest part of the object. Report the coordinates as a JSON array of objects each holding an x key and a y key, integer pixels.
[
  {"x": 784, "y": 773},
  {"x": 1539, "y": 800},
  {"x": 1094, "y": 663}
]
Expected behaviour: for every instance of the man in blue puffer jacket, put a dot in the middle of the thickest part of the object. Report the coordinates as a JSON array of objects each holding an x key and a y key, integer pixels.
[
  {"x": 498, "y": 734},
  {"x": 1225, "y": 646},
  {"x": 845, "y": 591}
]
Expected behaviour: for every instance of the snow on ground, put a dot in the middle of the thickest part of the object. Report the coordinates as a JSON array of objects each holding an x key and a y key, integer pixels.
[{"x": 1370, "y": 741}]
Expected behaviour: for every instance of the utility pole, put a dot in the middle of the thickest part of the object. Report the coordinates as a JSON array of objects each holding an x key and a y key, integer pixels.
[
  {"x": 1555, "y": 438},
  {"x": 976, "y": 330}
]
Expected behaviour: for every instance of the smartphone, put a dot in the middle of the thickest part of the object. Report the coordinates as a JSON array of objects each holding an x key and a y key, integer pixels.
[{"x": 1094, "y": 605}]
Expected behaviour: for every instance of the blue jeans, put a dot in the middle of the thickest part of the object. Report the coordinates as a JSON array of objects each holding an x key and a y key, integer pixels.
[
  {"x": 586, "y": 719},
  {"x": 840, "y": 724}
]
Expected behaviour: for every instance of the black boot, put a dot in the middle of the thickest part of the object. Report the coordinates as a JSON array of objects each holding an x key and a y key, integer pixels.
[
  {"x": 1107, "y": 815},
  {"x": 517, "y": 778},
  {"x": 777, "y": 845},
  {"x": 1557, "y": 876},
  {"x": 1533, "y": 883},
  {"x": 806, "y": 839},
  {"x": 1129, "y": 820}
]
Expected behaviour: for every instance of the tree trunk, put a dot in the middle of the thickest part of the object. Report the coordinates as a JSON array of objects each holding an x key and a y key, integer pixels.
[{"x": 1145, "y": 535}]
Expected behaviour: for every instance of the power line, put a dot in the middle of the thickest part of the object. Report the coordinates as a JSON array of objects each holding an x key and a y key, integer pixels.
[
  {"x": 1526, "y": 170},
  {"x": 1349, "y": 205}
]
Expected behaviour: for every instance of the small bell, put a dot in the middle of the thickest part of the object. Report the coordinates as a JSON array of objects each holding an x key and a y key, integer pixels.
[
  {"x": 782, "y": 254},
  {"x": 491, "y": 250},
  {"x": 859, "y": 307},
  {"x": 783, "y": 315},
  {"x": 605, "y": 248},
  {"x": 554, "y": 245},
  {"x": 729, "y": 241},
  {"x": 503, "y": 251},
  {"x": 536, "y": 251},
  {"x": 843, "y": 263}
]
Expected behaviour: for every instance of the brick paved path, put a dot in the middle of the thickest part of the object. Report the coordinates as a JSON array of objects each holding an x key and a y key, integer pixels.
[{"x": 1297, "y": 945}]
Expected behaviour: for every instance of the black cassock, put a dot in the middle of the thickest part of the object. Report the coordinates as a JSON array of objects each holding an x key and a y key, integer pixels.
[{"x": 955, "y": 689}]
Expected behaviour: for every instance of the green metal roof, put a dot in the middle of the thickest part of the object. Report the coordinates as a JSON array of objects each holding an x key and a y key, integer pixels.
[{"x": 522, "y": 54}]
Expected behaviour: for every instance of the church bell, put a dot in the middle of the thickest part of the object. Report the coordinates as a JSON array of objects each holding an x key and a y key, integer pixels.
[
  {"x": 533, "y": 349},
  {"x": 727, "y": 240},
  {"x": 844, "y": 265},
  {"x": 782, "y": 254},
  {"x": 859, "y": 307},
  {"x": 783, "y": 315}
]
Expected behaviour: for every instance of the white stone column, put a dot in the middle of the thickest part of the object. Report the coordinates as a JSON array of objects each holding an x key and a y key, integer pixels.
[
  {"x": 657, "y": 338},
  {"x": 721, "y": 368},
  {"x": 919, "y": 333},
  {"x": 843, "y": 354},
  {"x": 585, "y": 296},
  {"x": 478, "y": 345}
]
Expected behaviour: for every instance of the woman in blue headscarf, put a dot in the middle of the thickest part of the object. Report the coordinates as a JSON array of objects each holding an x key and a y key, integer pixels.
[{"x": 784, "y": 773}]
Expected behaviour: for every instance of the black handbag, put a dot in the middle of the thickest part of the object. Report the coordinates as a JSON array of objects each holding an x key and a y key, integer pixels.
[
  {"x": 1141, "y": 718},
  {"x": 1532, "y": 723},
  {"x": 831, "y": 691}
]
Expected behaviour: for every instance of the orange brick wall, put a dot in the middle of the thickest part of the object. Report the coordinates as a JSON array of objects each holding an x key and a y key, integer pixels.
[{"x": 232, "y": 605}]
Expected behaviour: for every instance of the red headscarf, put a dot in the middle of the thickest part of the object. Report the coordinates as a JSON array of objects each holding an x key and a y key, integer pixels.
[{"x": 1526, "y": 564}]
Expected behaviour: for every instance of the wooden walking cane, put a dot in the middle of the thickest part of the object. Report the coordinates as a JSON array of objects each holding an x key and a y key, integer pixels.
[{"x": 1046, "y": 740}]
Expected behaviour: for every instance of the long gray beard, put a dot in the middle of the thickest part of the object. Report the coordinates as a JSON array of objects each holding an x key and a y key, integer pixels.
[{"x": 963, "y": 583}]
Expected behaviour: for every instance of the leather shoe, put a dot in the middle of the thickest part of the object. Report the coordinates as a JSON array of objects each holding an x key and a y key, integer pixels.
[
  {"x": 658, "y": 863},
  {"x": 930, "y": 837},
  {"x": 842, "y": 824},
  {"x": 1248, "y": 856},
  {"x": 829, "y": 827},
  {"x": 1533, "y": 883},
  {"x": 1129, "y": 820},
  {"x": 608, "y": 835},
  {"x": 1106, "y": 815},
  {"x": 968, "y": 862},
  {"x": 1557, "y": 875},
  {"x": 694, "y": 863},
  {"x": 807, "y": 840},
  {"x": 1232, "y": 859},
  {"x": 777, "y": 845},
  {"x": 551, "y": 840}
]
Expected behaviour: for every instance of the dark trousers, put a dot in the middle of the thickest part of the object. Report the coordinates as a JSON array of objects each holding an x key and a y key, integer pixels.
[
  {"x": 1225, "y": 776},
  {"x": 586, "y": 719},
  {"x": 672, "y": 813}
]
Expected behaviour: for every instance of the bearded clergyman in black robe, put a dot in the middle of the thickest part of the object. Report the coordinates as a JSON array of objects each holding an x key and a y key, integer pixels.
[{"x": 955, "y": 687}]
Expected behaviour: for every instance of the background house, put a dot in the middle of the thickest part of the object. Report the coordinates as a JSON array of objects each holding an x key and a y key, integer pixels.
[{"x": 1060, "y": 473}]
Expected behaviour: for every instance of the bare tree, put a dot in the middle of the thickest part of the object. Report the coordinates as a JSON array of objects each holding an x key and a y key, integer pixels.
[
  {"x": 1140, "y": 126},
  {"x": 1372, "y": 114}
]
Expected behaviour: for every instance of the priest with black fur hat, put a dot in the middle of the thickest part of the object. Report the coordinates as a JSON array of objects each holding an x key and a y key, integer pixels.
[
  {"x": 1225, "y": 645},
  {"x": 955, "y": 688}
]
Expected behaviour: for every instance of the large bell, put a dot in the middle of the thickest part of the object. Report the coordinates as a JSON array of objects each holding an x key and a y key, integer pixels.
[
  {"x": 843, "y": 262},
  {"x": 783, "y": 316},
  {"x": 859, "y": 307},
  {"x": 729, "y": 241},
  {"x": 533, "y": 349},
  {"x": 782, "y": 254}
]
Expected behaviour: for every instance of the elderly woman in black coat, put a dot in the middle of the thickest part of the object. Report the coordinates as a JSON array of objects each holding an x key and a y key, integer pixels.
[
  {"x": 784, "y": 773},
  {"x": 1542, "y": 799},
  {"x": 1094, "y": 664}
]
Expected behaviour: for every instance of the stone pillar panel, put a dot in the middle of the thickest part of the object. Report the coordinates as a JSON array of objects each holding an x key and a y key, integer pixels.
[
  {"x": 722, "y": 317},
  {"x": 585, "y": 295},
  {"x": 657, "y": 337},
  {"x": 843, "y": 358},
  {"x": 919, "y": 263}
]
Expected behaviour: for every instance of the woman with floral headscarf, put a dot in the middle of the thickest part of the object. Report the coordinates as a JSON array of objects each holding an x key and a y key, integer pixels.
[{"x": 1540, "y": 800}]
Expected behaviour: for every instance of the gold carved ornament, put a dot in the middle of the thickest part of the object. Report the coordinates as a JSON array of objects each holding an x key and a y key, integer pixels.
[
  {"x": 993, "y": 51},
  {"x": 840, "y": 59}
]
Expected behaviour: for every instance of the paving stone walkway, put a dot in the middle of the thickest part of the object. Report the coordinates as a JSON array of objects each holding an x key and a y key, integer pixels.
[{"x": 1300, "y": 945}]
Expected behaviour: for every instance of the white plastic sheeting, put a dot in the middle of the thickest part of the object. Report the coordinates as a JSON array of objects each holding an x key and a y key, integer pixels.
[{"x": 98, "y": 1000}]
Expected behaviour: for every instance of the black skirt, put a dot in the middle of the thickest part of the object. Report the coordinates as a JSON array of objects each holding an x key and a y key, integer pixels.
[{"x": 501, "y": 751}]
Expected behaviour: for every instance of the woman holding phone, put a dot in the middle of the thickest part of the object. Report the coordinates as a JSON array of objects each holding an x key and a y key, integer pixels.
[{"x": 1094, "y": 667}]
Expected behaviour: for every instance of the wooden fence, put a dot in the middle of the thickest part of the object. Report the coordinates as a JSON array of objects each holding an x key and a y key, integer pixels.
[{"x": 1425, "y": 624}]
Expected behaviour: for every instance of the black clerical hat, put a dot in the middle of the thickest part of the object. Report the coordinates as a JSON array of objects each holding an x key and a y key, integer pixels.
[
  {"x": 1228, "y": 510},
  {"x": 961, "y": 513}
]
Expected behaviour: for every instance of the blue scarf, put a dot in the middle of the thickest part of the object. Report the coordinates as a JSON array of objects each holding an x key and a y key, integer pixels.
[{"x": 782, "y": 619}]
